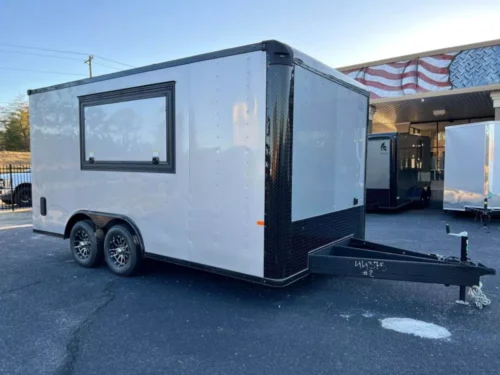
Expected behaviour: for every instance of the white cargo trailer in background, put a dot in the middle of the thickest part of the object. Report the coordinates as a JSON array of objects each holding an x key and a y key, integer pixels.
[
  {"x": 472, "y": 167},
  {"x": 248, "y": 162}
]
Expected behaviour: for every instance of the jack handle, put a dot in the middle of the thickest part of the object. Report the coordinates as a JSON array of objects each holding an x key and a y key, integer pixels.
[{"x": 461, "y": 234}]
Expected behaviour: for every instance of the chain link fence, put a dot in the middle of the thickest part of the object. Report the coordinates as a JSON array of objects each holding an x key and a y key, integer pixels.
[{"x": 15, "y": 187}]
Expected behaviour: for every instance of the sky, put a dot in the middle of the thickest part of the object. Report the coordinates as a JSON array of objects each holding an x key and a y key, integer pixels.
[{"x": 142, "y": 32}]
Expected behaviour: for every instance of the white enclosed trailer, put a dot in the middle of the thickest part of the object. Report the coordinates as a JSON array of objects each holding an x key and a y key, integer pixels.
[
  {"x": 248, "y": 162},
  {"x": 472, "y": 167}
]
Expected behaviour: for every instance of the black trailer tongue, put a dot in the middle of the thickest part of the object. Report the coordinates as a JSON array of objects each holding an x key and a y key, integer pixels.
[{"x": 360, "y": 258}]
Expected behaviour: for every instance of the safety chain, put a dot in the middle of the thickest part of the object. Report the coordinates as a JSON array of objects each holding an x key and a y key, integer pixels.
[{"x": 478, "y": 296}]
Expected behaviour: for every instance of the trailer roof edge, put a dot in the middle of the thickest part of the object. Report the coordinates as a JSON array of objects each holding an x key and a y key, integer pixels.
[{"x": 278, "y": 49}]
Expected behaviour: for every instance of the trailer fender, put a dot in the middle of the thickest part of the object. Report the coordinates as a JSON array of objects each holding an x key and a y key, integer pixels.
[{"x": 103, "y": 221}]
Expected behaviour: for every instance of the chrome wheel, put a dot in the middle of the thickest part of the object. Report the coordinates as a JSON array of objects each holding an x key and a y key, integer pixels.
[
  {"x": 82, "y": 244},
  {"x": 119, "y": 251}
]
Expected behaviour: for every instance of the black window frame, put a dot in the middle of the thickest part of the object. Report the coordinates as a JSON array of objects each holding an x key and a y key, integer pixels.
[{"x": 157, "y": 90}]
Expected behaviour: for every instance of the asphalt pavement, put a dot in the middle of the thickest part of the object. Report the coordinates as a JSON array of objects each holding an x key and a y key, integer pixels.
[{"x": 58, "y": 318}]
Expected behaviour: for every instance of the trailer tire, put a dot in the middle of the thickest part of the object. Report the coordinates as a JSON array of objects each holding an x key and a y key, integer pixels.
[
  {"x": 121, "y": 251},
  {"x": 89, "y": 252},
  {"x": 22, "y": 196}
]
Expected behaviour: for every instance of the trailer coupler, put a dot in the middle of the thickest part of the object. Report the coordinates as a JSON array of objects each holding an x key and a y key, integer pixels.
[{"x": 360, "y": 258}]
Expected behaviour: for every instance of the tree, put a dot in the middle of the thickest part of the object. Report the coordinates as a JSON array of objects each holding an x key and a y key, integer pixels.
[{"x": 16, "y": 126}]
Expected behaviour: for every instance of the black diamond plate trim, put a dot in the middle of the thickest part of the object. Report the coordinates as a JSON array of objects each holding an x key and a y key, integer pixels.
[
  {"x": 278, "y": 194},
  {"x": 310, "y": 234}
]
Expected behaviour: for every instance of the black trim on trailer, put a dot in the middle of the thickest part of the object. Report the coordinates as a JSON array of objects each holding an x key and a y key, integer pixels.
[
  {"x": 157, "y": 90},
  {"x": 47, "y": 233},
  {"x": 277, "y": 49},
  {"x": 198, "y": 266},
  {"x": 163, "y": 65},
  {"x": 237, "y": 275},
  {"x": 309, "y": 235},
  {"x": 278, "y": 169},
  {"x": 278, "y": 53}
]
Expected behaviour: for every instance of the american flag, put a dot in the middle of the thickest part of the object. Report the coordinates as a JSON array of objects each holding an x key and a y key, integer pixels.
[{"x": 406, "y": 77}]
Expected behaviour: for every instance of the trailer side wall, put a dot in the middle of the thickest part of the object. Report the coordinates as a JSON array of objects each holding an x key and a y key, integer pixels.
[{"x": 206, "y": 209}]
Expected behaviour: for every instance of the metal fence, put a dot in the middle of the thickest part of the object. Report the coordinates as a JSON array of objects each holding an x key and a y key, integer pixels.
[{"x": 15, "y": 187}]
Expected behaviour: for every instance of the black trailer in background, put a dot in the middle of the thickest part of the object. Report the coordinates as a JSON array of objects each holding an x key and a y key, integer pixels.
[{"x": 397, "y": 171}]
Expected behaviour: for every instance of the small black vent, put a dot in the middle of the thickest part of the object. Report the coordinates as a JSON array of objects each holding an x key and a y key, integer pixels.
[{"x": 43, "y": 206}]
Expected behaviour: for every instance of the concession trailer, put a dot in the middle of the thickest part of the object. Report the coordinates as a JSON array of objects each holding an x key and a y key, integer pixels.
[{"x": 248, "y": 162}]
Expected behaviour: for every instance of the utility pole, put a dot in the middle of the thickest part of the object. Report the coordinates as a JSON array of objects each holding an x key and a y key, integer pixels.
[{"x": 89, "y": 61}]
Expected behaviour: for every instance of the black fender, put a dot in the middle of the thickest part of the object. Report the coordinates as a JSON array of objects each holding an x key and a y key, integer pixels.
[{"x": 103, "y": 220}]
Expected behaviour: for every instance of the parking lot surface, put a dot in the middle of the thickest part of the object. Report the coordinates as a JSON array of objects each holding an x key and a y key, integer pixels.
[{"x": 59, "y": 318}]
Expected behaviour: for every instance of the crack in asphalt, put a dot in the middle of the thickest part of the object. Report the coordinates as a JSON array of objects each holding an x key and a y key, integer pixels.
[
  {"x": 73, "y": 346},
  {"x": 2, "y": 293}
]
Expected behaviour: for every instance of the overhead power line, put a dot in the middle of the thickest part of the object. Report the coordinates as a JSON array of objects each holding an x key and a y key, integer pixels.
[
  {"x": 67, "y": 52},
  {"x": 107, "y": 66},
  {"x": 44, "y": 49},
  {"x": 40, "y": 54},
  {"x": 114, "y": 61},
  {"x": 42, "y": 71},
  {"x": 56, "y": 57}
]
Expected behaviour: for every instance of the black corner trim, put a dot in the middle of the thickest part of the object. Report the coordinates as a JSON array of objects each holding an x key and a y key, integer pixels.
[
  {"x": 47, "y": 233},
  {"x": 236, "y": 275},
  {"x": 278, "y": 163},
  {"x": 278, "y": 53}
]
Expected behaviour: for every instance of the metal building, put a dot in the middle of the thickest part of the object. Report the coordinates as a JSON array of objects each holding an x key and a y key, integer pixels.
[{"x": 426, "y": 92}]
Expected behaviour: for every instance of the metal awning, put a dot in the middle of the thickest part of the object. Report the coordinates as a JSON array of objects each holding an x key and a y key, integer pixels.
[{"x": 461, "y": 104}]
